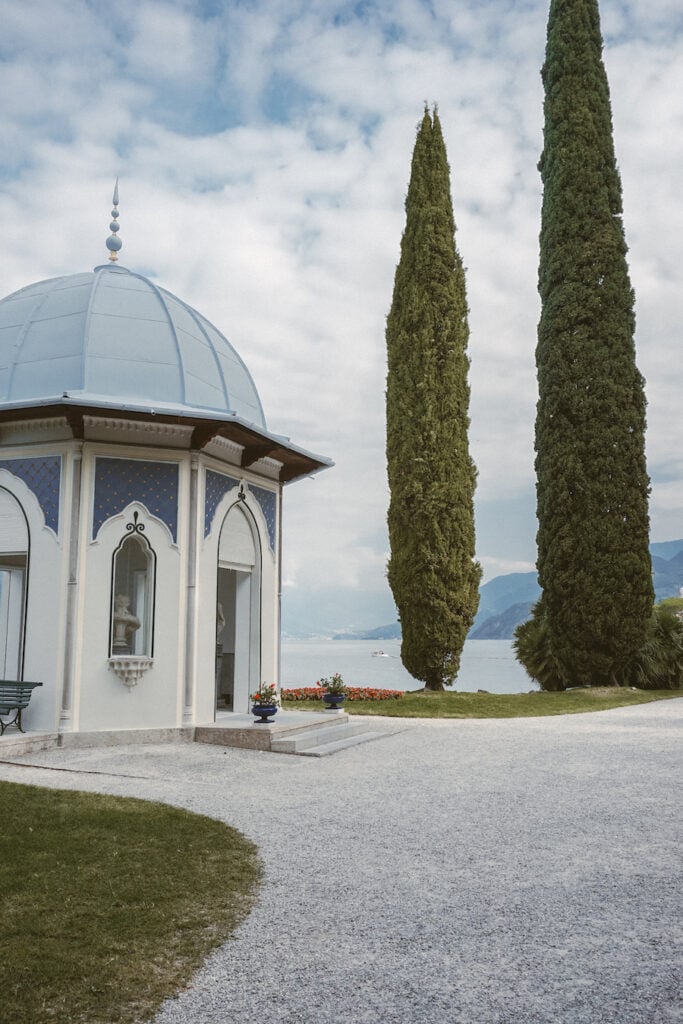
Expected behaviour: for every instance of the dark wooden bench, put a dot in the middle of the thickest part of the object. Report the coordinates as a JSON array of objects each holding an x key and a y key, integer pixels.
[{"x": 14, "y": 696}]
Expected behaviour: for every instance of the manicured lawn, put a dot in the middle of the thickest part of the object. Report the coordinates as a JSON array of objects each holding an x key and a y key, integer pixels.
[
  {"x": 109, "y": 905},
  {"x": 418, "y": 704}
]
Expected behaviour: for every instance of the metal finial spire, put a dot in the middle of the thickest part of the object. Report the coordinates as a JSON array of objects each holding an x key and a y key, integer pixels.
[{"x": 113, "y": 243}]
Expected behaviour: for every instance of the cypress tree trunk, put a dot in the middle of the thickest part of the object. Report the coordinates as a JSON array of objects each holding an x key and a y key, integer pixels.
[
  {"x": 592, "y": 484},
  {"x": 432, "y": 572}
]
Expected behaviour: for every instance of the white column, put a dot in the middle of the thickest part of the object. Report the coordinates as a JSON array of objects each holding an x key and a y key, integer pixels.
[
  {"x": 71, "y": 631},
  {"x": 191, "y": 620}
]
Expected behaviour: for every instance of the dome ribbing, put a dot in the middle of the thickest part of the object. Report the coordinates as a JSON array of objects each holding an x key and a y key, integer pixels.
[{"x": 113, "y": 336}]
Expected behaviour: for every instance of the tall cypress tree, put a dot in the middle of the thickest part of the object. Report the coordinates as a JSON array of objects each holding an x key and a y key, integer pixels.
[
  {"x": 432, "y": 571},
  {"x": 592, "y": 484}
]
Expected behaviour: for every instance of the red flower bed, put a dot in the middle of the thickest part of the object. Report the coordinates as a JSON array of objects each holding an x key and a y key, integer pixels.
[
  {"x": 373, "y": 693},
  {"x": 352, "y": 693},
  {"x": 302, "y": 693}
]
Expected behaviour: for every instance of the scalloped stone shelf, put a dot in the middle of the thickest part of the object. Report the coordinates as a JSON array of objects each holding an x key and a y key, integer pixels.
[{"x": 130, "y": 668}]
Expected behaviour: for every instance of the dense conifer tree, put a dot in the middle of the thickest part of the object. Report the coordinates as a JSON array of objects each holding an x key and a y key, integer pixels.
[
  {"x": 432, "y": 571},
  {"x": 592, "y": 484}
]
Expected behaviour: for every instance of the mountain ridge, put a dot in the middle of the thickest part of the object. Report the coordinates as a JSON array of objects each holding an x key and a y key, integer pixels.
[{"x": 506, "y": 601}]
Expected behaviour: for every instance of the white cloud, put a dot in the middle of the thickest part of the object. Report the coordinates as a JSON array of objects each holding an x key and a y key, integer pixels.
[
  {"x": 264, "y": 154},
  {"x": 168, "y": 44},
  {"x": 502, "y": 567}
]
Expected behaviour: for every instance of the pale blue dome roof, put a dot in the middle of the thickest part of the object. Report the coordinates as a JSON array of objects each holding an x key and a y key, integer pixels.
[{"x": 114, "y": 338}]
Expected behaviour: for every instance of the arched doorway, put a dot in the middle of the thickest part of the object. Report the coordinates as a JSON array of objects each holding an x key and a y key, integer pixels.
[
  {"x": 14, "y": 549},
  {"x": 238, "y": 611}
]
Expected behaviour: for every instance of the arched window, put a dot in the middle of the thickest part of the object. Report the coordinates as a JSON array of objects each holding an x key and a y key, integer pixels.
[
  {"x": 132, "y": 598},
  {"x": 14, "y": 545}
]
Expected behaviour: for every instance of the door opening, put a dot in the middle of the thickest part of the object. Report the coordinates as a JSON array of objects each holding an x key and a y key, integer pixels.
[{"x": 238, "y": 638}]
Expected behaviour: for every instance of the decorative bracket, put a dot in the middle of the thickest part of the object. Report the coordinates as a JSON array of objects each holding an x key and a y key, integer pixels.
[
  {"x": 130, "y": 668},
  {"x": 253, "y": 452},
  {"x": 201, "y": 436},
  {"x": 135, "y": 526}
]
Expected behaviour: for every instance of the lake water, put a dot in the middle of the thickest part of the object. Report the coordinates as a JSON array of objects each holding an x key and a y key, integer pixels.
[{"x": 485, "y": 665}]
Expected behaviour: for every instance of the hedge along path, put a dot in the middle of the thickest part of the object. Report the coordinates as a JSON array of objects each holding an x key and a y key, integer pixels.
[{"x": 110, "y": 904}]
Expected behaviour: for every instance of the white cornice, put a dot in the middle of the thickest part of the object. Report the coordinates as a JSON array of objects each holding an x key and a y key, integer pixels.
[
  {"x": 109, "y": 428},
  {"x": 55, "y": 425},
  {"x": 225, "y": 450},
  {"x": 268, "y": 467},
  {"x": 231, "y": 452}
]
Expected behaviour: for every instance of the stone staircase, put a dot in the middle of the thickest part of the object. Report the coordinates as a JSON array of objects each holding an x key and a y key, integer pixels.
[
  {"x": 309, "y": 734},
  {"x": 321, "y": 740}
]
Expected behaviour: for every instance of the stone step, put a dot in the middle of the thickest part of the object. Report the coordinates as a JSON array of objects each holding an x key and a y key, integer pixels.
[
  {"x": 319, "y": 737},
  {"x": 334, "y": 745},
  {"x": 313, "y": 734}
]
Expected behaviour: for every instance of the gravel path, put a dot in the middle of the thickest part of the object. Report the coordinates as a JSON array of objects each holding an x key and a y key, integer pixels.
[{"x": 466, "y": 872}]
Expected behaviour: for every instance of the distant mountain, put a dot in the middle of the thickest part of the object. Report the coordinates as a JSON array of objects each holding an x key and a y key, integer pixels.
[
  {"x": 390, "y": 632},
  {"x": 502, "y": 592},
  {"x": 324, "y": 612},
  {"x": 503, "y": 598},
  {"x": 502, "y": 627},
  {"x": 347, "y": 614},
  {"x": 666, "y": 549},
  {"x": 668, "y": 575}
]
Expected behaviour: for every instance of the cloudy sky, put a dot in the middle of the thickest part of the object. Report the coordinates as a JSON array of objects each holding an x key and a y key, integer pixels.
[{"x": 263, "y": 149}]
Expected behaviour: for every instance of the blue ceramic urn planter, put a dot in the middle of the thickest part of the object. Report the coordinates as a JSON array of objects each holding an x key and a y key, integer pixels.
[{"x": 263, "y": 712}]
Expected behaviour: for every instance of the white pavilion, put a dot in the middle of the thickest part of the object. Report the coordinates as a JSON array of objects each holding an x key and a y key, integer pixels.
[{"x": 140, "y": 507}]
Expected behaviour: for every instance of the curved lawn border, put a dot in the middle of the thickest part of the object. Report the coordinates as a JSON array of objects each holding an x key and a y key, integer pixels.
[{"x": 110, "y": 904}]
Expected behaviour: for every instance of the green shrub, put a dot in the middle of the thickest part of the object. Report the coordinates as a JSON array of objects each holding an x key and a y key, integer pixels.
[
  {"x": 531, "y": 645},
  {"x": 658, "y": 665}
]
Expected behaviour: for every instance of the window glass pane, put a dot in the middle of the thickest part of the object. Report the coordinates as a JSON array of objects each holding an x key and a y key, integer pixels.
[
  {"x": 11, "y": 615},
  {"x": 132, "y": 599}
]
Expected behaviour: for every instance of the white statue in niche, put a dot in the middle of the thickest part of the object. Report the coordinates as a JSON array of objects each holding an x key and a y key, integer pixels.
[
  {"x": 220, "y": 622},
  {"x": 125, "y": 624}
]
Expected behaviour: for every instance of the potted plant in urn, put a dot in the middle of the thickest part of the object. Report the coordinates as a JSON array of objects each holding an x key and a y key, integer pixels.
[
  {"x": 334, "y": 691},
  {"x": 264, "y": 702}
]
